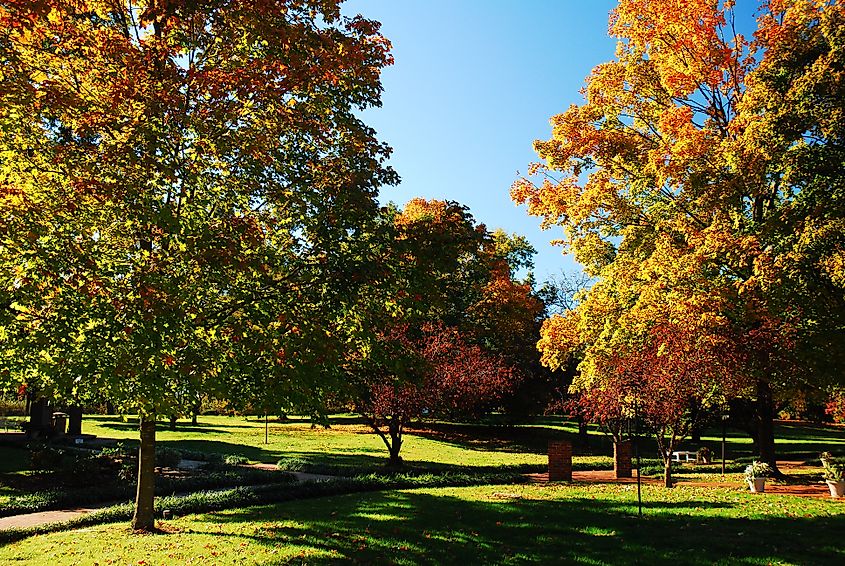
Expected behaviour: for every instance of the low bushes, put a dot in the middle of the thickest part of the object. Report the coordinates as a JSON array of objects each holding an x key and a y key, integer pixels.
[
  {"x": 59, "y": 498},
  {"x": 206, "y": 501}
]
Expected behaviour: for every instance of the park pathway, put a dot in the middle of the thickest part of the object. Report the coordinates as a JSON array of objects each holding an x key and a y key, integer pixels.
[
  {"x": 44, "y": 517},
  {"x": 597, "y": 476},
  {"x": 816, "y": 490}
]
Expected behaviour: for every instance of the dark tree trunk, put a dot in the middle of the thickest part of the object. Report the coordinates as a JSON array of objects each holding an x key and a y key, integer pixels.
[
  {"x": 667, "y": 472},
  {"x": 40, "y": 418},
  {"x": 395, "y": 430},
  {"x": 173, "y": 422},
  {"x": 144, "y": 519},
  {"x": 74, "y": 424},
  {"x": 109, "y": 408},
  {"x": 765, "y": 425},
  {"x": 193, "y": 418},
  {"x": 695, "y": 435},
  {"x": 583, "y": 433}
]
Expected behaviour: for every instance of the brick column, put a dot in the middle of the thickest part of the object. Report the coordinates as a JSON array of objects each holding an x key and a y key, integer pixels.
[
  {"x": 560, "y": 460},
  {"x": 622, "y": 459}
]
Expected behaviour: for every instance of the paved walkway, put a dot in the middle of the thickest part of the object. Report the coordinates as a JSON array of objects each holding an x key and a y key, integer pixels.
[
  {"x": 597, "y": 476},
  {"x": 44, "y": 517},
  {"x": 817, "y": 490}
]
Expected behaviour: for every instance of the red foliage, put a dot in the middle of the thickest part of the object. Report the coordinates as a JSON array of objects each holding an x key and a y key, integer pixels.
[
  {"x": 448, "y": 376},
  {"x": 836, "y": 406}
]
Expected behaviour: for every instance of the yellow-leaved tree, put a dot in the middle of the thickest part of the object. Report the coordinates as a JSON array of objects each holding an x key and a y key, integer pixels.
[{"x": 700, "y": 184}]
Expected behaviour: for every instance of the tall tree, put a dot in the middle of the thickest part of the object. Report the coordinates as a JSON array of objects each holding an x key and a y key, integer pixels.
[
  {"x": 181, "y": 186},
  {"x": 671, "y": 165}
]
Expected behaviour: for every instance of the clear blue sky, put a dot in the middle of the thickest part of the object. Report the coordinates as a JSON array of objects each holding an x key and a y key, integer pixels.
[{"x": 474, "y": 84}]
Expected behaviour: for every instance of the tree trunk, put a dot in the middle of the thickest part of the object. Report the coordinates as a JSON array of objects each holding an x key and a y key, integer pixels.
[
  {"x": 395, "y": 431},
  {"x": 109, "y": 408},
  {"x": 173, "y": 422},
  {"x": 144, "y": 519},
  {"x": 74, "y": 426},
  {"x": 695, "y": 435},
  {"x": 667, "y": 472},
  {"x": 193, "y": 418},
  {"x": 40, "y": 419},
  {"x": 583, "y": 433},
  {"x": 765, "y": 425}
]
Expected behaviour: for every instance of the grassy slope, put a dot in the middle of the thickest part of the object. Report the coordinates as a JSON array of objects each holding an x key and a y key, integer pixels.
[
  {"x": 491, "y": 524},
  {"x": 347, "y": 442}
]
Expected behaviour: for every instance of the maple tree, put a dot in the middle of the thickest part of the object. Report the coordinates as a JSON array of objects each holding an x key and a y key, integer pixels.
[
  {"x": 444, "y": 279},
  {"x": 181, "y": 187},
  {"x": 430, "y": 371},
  {"x": 681, "y": 187}
]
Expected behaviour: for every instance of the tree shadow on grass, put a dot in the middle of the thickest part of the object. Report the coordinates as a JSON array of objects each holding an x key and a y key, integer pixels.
[
  {"x": 421, "y": 528},
  {"x": 117, "y": 424}
]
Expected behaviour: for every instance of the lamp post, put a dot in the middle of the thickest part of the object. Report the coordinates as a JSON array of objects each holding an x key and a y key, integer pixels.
[
  {"x": 725, "y": 417},
  {"x": 637, "y": 455}
]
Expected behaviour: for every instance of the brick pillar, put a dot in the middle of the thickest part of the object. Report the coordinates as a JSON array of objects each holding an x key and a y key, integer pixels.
[
  {"x": 560, "y": 460},
  {"x": 622, "y": 459}
]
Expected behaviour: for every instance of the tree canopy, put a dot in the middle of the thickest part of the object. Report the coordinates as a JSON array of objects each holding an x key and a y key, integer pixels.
[
  {"x": 181, "y": 186},
  {"x": 690, "y": 183}
]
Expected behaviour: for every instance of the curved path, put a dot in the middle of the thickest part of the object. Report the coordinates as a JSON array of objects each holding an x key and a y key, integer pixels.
[
  {"x": 817, "y": 489},
  {"x": 44, "y": 517}
]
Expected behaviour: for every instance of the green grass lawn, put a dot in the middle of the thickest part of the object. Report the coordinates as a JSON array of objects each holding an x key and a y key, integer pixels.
[
  {"x": 12, "y": 461},
  {"x": 347, "y": 442},
  {"x": 515, "y": 524}
]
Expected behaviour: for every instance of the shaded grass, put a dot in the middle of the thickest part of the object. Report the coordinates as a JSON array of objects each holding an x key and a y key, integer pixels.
[
  {"x": 346, "y": 443},
  {"x": 513, "y": 524},
  {"x": 251, "y": 495},
  {"x": 350, "y": 443}
]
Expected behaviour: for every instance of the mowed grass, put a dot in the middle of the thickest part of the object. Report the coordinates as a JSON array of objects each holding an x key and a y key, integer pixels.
[
  {"x": 517, "y": 524},
  {"x": 350, "y": 442},
  {"x": 347, "y": 443}
]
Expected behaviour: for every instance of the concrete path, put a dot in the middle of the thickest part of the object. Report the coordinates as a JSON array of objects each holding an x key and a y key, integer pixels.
[{"x": 44, "y": 517}]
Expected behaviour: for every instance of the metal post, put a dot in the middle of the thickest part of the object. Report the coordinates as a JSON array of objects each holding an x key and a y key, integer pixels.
[
  {"x": 724, "y": 421},
  {"x": 637, "y": 454}
]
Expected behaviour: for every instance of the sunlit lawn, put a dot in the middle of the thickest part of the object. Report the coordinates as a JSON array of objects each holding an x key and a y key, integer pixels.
[
  {"x": 350, "y": 442},
  {"x": 347, "y": 442},
  {"x": 481, "y": 525}
]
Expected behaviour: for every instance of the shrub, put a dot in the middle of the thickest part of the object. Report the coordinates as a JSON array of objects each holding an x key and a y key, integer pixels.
[
  {"x": 46, "y": 458},
  {"x": 756, "y": 470},
  {"x": 834, "y": 470},
  {"x": 235, "y": 460},
  {"x": 651, "y": 470},
  {"x": 168, "y": 457},
  {"x": 292, "y": 464}
]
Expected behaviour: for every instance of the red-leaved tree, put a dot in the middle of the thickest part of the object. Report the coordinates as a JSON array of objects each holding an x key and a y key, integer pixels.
[{"x": 434, "y": 371}]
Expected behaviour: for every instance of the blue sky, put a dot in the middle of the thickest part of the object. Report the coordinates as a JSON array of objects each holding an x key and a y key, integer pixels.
[{"x": 474, "y": 84}]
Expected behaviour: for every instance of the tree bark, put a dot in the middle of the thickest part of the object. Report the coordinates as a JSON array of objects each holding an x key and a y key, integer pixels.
[
  {"x": 173, "y": 422},
  {"x": 74, "y": 426},
  {"x": 40, "y": 415},
  {"x": 144, "y": 518},
  {"x": 583, "y": 433},
  {"x": 395, "y": 430},
  {"x": 765, "y": 425},
  {"x": 667, "y": 472}
]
